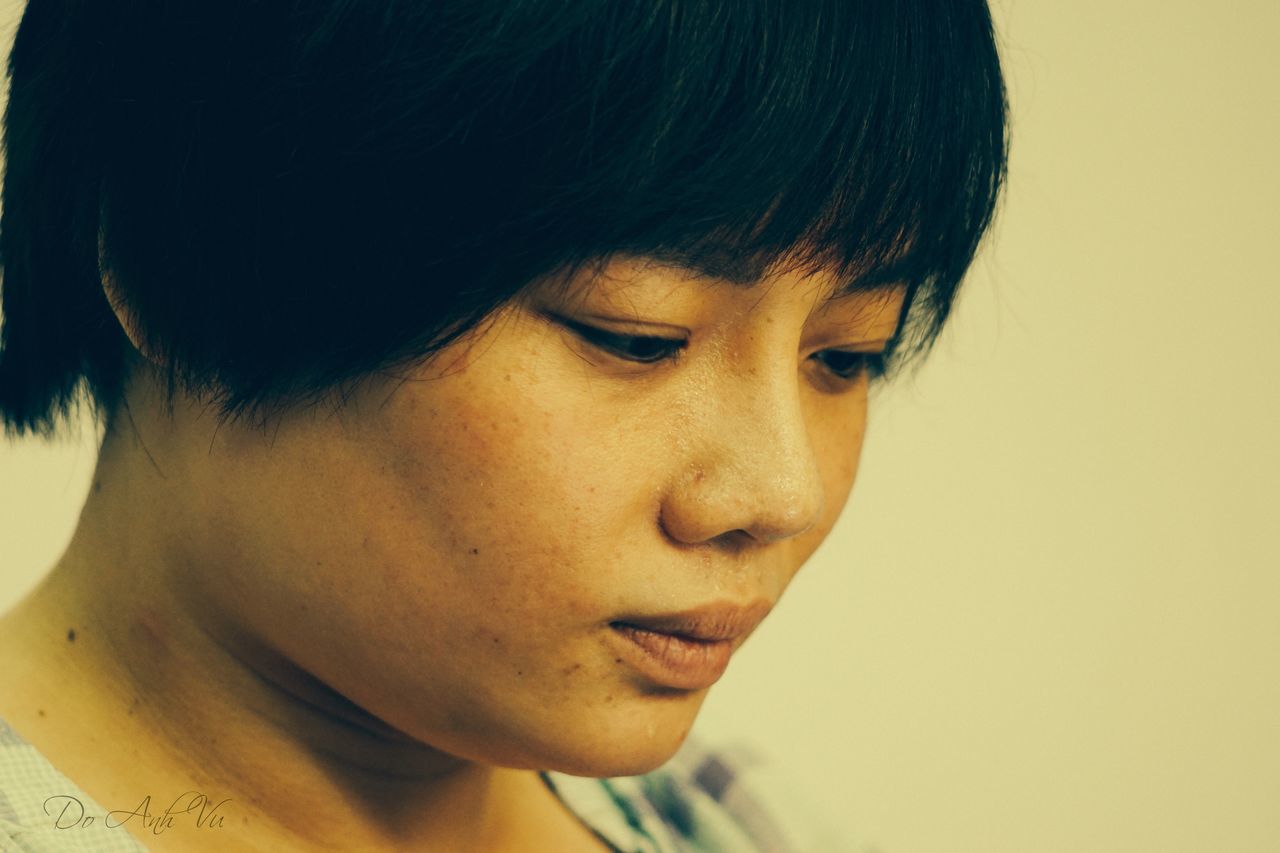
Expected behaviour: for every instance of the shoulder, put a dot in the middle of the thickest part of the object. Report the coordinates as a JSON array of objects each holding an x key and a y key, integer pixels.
[{"x": 706, "y": 798}]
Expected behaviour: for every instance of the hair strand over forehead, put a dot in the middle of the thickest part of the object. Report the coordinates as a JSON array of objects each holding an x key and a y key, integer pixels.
[{"x": 291, "y": 196}]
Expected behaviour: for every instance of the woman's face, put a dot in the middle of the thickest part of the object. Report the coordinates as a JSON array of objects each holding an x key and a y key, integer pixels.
[{"x": 449, "y": 550}]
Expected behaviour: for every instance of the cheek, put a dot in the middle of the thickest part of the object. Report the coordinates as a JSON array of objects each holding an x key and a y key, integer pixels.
[
  {"x": 836, "y": 451},
  {"x": 510, "y": 501},
  {"x": 839, "y": 449}
]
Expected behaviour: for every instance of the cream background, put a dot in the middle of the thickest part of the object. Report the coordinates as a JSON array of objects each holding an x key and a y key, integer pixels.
[{"x": 1050, "y": 617}]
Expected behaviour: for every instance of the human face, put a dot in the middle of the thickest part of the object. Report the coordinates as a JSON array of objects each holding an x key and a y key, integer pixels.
[{"x": 450, "y": 550}]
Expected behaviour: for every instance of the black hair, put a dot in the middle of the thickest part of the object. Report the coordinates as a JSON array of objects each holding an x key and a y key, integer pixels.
[{"x": 292, "y": 195}]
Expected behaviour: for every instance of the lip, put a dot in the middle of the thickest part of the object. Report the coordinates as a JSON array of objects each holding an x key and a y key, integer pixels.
[
  {"x": 712, "y": 622},
  {"x": 689, "y": 650}
]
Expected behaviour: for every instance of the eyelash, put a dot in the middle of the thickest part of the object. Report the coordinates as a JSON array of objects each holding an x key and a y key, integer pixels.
[{"x": 871, "y": 363}]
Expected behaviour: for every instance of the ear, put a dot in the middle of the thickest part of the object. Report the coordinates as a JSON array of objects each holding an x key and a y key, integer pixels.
[{"x": 127, "y": 319}]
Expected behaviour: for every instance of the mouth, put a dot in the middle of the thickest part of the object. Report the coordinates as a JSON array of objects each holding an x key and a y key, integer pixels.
[
  {"x": 672, "y": 659},
  {"x": 689, "y": 650}
]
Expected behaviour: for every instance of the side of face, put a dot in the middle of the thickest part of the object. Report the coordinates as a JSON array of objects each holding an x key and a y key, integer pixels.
[{"x": 448, "y": 550}]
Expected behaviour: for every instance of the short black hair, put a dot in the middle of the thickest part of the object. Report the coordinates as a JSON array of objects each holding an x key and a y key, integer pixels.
[{"x": 292, "y": 195}]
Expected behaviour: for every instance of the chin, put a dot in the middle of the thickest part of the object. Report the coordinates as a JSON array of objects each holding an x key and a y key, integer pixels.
[
  {"x": 631, "y": 760},
  {"x": 618, "y": 750}
]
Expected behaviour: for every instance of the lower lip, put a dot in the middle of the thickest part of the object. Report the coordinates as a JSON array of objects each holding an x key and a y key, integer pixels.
[{"x": 676, "y": 661}]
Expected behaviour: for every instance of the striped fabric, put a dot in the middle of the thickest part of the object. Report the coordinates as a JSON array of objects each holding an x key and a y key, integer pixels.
[
  {"x": 701, "y": 801},
  {"x": 725, "y": 799},
  {"x": 27, "y": 782}
]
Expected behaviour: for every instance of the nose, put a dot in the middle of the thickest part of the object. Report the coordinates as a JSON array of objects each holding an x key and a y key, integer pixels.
[{"x": 747, "y": 466}]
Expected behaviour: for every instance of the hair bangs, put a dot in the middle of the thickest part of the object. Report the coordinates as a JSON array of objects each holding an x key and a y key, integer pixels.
[
  {"x": 866, "y": 138},
  {"x": 367, "y": 181}
]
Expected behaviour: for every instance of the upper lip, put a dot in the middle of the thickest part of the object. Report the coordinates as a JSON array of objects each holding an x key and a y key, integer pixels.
[{"x": 711, "y": 622}]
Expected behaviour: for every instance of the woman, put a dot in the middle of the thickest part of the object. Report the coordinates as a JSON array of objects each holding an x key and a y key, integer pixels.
[{"x": 473, "y": 378}]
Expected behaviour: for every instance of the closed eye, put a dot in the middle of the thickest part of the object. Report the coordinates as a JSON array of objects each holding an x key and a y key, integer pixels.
[
  {"x": 845, "y": 365},
  {"x": 851, "y": 365},
  {"x": 642, "y": 349}
]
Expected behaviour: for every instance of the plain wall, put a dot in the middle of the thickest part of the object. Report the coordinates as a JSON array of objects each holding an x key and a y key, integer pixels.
[{"x": 1049, "y": 619}]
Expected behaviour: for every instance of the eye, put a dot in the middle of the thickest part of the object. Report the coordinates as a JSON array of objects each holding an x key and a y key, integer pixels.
[
  {"x": 643, "y": 349},
  {"x": 850, "y": 366}
]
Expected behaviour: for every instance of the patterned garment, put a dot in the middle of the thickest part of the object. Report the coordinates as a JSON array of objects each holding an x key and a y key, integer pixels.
[
  {"x": 725, "y": 799},
  {"x": 701, "y": 801}
]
